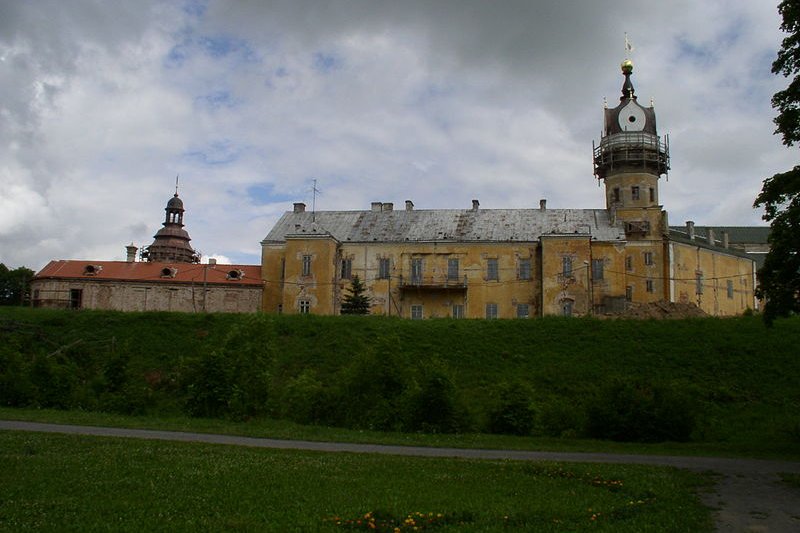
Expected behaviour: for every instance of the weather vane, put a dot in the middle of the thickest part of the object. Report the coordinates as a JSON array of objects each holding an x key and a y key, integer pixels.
[{"x": 628, "y": 46}]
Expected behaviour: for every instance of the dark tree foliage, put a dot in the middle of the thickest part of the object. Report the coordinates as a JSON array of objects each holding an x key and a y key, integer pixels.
[
  {"x": 356, "y": 302},
  {"x": 14, "y": 285},
  {"x": 779, "y": 278}
]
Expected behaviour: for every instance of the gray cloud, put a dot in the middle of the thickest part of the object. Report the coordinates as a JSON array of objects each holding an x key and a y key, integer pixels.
[{"x": 438, "y": 102}]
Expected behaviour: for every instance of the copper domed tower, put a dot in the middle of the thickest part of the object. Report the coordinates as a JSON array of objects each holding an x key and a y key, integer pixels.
[{"x": 171, "y": 243}]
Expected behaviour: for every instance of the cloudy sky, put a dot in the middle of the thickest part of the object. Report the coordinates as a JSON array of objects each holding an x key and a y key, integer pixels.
[{"x": 103, "y": 103}]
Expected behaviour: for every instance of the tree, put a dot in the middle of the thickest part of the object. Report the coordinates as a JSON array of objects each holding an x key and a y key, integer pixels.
[
  {"x": 14, "y": 285},
  {"x": 356, "y": 302},
  {"x": 779, "y": 278}
]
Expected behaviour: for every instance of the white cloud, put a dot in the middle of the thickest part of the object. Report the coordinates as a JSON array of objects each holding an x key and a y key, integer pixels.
[{"x": 437, "y": 102}]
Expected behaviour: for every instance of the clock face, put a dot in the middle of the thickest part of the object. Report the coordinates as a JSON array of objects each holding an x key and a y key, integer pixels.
[{"x": 631, "y": 118}]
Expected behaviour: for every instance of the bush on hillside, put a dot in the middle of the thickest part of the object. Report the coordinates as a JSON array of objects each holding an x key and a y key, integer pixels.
[
  {"x": 561, "y": 417},
  {"x": 511, "y": 409},
  {"x": 436, "y": 407},
  {"x": 372, "y": 392},
  {"x": 640, "y": 412}
]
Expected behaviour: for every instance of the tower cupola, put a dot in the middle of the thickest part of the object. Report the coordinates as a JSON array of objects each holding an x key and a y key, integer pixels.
[
  {"x": 171, "y": 242},
  {"x": 631, "y": 156}
]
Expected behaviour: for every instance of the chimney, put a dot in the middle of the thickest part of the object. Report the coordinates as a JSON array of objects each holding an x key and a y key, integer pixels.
[
  {"x": 299, "y": 207},
  {"x": 409, "y": 205},
  {"x": 212, "y": 261},
  {"x": 376, "y": 206},
  {"x": 690, "y": 229},
  {"x": 725, "y": 240},
  {"x": 387, "y": 206},
  {"x": 543, "y": 204},
  {"x": 131, "y": 249},
  {"x": 710, "y": 236},
  {"x": 475, "y": 205}
]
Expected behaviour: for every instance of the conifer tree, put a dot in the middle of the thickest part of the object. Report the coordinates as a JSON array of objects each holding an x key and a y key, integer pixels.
[{"x": 356, "y": 302}]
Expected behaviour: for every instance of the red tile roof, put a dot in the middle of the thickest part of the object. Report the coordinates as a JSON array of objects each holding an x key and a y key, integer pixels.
[{"x": 152, "y": 272}]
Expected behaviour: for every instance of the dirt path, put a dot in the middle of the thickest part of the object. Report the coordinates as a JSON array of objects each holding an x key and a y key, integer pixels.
[{"x": 748, "y": 496}]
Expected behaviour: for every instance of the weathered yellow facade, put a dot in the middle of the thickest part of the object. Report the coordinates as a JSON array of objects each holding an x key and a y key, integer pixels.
[{"x": 513, "y": 263}]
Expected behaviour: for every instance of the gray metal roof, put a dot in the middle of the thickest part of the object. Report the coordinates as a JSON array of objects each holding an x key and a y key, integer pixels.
[
  {"x": 455, "y": 225},
  {"x": 736, "y": 234}
]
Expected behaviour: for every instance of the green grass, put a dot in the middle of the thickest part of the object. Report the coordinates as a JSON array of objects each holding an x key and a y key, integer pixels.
[
  {"x": 741, "y": 375},
  {"x": 283, "y": 429},
  {"x": 74, "y": 483}
]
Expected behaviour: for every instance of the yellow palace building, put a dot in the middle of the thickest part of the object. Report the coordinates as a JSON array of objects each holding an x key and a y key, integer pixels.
[{"x": 515, "y": 263}]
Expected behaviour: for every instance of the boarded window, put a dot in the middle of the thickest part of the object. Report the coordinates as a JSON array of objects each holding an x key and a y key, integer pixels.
[
  {"x": 523, "y": 311},
  {"x": 306, "y": 265},
  {"x": 458, "y": 311},
  {"x": 648, "y": 258},
  {"x": 650, "y": 286},
  {"x": 698, "y": 278},
  {"x": 730, "y": 289}
]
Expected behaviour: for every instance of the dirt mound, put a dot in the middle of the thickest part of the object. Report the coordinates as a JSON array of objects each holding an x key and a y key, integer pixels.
[{"x": 660, "y": 309}]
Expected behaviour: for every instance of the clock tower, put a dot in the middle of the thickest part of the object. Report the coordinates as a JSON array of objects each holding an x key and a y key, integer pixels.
[{"x": 630, "y": 159}]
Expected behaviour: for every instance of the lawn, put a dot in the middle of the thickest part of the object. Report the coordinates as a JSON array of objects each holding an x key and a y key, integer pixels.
[{"x": 60, "y": 482}]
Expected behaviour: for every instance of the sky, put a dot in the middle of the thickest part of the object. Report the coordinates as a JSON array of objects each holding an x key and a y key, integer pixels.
[{"x": 104, "y": 102}]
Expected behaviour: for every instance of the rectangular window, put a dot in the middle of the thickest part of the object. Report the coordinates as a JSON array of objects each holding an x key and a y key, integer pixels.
[
  {"x": 491, "y": 311},
  {"x": 635, "y": 192},
  {"x": 491, "y": 269},
  {"x": 648, "y": 258},
  {"x": 452, "y": 269},
  {"x": 347, "y": 268},
  {"x": 629, "y": 293},
  {"x": 698, "y": 289},
  {"x": 416, "y": 312},
  {"x": 615, "y": 194},
  {"x": 523, "y": 311},
  {"x": 458, "y": 311},
  {"x": 597, "y": 269},
  {"x": 524, "y": 269},
  {"x": 566, "y": 266},
  {"x": 652, "y": 195},
  {"x": 650, "y": 285},
  {"x": 306, "y": 265},
  {"x": 383, "y": 268},
  {"x": 305, "y": 307},
  {"x": 730, "y": 289},
  {"x": 416, "y": 271},
  {"x": 628, "y": 263}
]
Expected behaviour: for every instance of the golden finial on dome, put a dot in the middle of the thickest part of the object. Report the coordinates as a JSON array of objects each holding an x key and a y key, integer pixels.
[{"x": 627, "y": 66}]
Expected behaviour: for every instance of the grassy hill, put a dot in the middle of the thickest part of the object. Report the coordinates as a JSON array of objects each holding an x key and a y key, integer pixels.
[{"x": 727, "y": 382}]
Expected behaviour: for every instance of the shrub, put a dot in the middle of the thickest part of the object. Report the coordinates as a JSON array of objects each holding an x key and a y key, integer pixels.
[
  {"x": 558, "y": 417},
  {"x": 511, "y": 410},
  {"x": 303, "y": 399},
  {"x": 435, "y": 406},
  {"x": 640, "y": 412}
]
